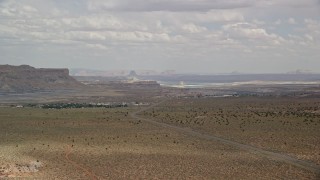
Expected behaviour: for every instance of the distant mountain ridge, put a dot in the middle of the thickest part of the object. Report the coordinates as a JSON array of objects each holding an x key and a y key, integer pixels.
[
  {"x": 230, "y": 78},
  {"x": 25, "y": 78},
  {"x": 113, "y": 73}
]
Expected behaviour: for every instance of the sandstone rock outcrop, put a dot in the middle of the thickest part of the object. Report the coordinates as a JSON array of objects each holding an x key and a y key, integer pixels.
[{"x": 25, "y": 78}]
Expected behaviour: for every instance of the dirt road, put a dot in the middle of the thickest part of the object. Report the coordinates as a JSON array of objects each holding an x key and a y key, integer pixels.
[
  {"x": 81, "y": 167},
  {"x": 272, "y": 155}
]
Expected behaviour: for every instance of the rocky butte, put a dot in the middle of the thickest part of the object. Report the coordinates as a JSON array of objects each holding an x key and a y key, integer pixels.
[{"x": 25, "y": 78}]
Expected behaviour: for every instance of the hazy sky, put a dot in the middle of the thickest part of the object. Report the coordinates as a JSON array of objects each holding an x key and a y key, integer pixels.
[{"x": 211, "y": 36}]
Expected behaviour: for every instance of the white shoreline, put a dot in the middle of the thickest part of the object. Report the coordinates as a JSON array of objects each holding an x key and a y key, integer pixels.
[{"x": 204, "y": 85}]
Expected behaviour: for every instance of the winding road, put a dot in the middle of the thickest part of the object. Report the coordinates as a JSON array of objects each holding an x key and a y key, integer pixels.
[{"x": 272, "y": 155}]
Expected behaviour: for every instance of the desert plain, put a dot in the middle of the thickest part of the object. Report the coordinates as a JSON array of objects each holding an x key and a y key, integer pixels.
[
  {"x": 53, "y": 126},
  {"x": 163, "y": 137}
]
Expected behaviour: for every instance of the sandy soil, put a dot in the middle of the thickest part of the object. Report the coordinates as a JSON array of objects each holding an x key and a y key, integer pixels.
[{"x": 109, "y": 144}]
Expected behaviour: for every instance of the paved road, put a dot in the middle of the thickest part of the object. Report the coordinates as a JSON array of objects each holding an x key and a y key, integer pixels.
[{"x": 275, "y": 156}]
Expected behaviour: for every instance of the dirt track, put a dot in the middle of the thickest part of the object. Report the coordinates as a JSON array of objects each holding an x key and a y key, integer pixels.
[
  {"x": 272, "y": 155},
  {"x": 81, "y": 167}
]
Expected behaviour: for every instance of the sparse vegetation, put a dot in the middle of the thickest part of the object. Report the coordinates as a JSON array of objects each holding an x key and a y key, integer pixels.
[
  {"x": 287, "y": 125},
  {"x": 82, "y": 105},
  {"x": 107, "y": 144}
]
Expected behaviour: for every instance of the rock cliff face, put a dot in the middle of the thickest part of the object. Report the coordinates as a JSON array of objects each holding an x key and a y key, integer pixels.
[{"x": 26, "y": 78}]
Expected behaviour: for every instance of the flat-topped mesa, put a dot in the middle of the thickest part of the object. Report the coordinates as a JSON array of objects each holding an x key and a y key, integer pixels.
[
  {"x": 30, "y": 69},
  {"x": 26, "y": 78}
]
